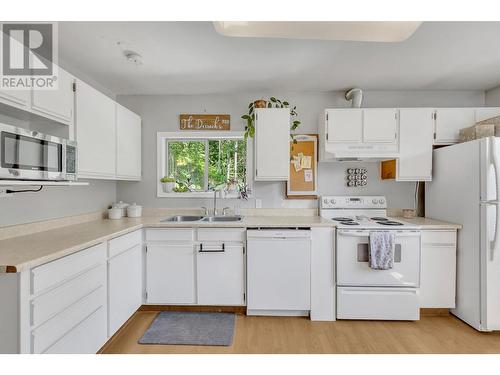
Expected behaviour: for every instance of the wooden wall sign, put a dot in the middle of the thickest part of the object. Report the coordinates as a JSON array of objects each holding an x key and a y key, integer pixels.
[{"x": 204, "y": 122}]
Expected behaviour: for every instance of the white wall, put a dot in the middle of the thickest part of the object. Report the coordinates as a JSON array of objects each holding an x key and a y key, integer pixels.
[
  {"x": 55, "y": 202},
  {"x": 161, "y": 113},
  {"x": 492, "y": 97}
]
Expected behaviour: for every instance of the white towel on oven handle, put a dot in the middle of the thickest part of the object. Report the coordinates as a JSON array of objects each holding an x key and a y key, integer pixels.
[{"x": 381, "y": 253}]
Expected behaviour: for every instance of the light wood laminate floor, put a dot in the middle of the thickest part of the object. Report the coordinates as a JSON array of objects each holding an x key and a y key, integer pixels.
[{"x": 432, "y": 334}]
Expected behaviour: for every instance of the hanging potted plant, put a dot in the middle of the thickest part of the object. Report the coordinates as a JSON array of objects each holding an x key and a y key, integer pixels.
[{"x": 272, "y": 103}]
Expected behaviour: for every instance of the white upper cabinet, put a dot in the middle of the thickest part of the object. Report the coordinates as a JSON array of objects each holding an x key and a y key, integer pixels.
[
  {"x": 16, "y": 98},
  {"x": 128, "y": 153},
  {"x": 95, "y": 133},
  {"x": 56, "y": 104},
  {"x": 344, "y": 125},
  {"x": 272, "y": 144},
  {"x": 416, "y": 127},
  {"x": 380, "y": 125},
  {"x": 449, "y": 121}
]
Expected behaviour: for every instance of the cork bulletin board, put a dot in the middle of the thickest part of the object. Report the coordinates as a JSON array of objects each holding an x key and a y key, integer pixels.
[{"x": 303, "y": 180}]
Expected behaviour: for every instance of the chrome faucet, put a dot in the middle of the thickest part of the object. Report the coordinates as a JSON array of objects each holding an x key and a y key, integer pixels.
[{"x": 215, "y": 201}]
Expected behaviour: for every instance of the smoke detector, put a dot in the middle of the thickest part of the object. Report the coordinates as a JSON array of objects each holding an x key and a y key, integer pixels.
[{"x": 133, "y": 57}]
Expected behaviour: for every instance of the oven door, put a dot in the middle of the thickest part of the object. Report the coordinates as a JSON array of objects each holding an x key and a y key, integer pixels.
[
  {"x": 28, "y": 155},
  {"x": 353, "y": 268}
]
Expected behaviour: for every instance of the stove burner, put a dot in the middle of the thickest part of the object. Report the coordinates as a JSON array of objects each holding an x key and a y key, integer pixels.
[
  {"x": 349, "y": 223},
  {"x": 389, "y": 222},
  {"x": 377, "y": 218},
  {"x": 342, "y": 219}
]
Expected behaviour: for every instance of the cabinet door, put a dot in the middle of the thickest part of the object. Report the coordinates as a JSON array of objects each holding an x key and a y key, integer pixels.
[
  {"x": 220, "y": 274},
  {"x": 279, "y": 274},
  {"x": 437, "y": 284},
  {"x": 16, "y": 98},
  {"x": 57, "y": 104},
  {"x": 416, "y": 128},
  {"x": 170, "y": 274},
  {"x": 95, "y": 133},
  {"x": 272, "y": 144},
  {"x": 128, "y": 153},
  {"x": 486, "y": 113},
  {"x": 380, "y": 125},
  {"x": 449, "y": 121},
  {"x": 344, "y": 125},
  {"x": 438, "y": 269},
  {"x": 124, "y": 287}
]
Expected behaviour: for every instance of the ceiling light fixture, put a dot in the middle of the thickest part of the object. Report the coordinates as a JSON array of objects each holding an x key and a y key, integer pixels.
[{"x": 358, "y": 31}]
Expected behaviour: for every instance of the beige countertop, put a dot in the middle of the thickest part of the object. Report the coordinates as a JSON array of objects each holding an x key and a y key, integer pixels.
[
  {"x": 27, "y": 251},
  {"x": 429, "y": 224}
]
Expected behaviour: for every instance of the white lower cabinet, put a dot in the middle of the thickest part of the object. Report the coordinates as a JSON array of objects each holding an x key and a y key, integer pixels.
[
  {"x": 438, "y": 272},
  {"x": 220, "y": 272},
  {"x": 67, "y": 311},
  {"x": 170, "y": 273},
  {"x": 124, "y": 287}
]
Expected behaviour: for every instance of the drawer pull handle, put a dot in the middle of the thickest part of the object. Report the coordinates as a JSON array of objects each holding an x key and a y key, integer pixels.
[{"x": 221, "y": 250}]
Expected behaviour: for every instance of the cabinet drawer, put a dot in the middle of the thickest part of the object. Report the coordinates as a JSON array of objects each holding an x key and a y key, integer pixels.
[
  {"x": 125, "y": 242},
  {"x": 53, "y": 273},
  {"x": 221, "y": 235},
  {"x": 377, "y": 303},
  {"x": 58, "y": 299},
  {"x": 55, "y": 328},
  {"x": 439, "y": 238},
  {"x": 86, "y": 338},
  {"x": 180, "y": 234}
]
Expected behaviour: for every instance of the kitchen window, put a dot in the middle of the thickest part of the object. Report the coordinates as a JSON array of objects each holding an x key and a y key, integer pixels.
[{"x": 200, "y": 162}]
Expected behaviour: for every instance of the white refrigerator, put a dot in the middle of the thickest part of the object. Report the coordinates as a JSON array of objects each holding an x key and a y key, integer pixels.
[{"x": 466, "y": 190}]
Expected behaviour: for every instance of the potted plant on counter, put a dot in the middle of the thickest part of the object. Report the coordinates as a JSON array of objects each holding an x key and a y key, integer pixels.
[{"x": 168, "y": 184}]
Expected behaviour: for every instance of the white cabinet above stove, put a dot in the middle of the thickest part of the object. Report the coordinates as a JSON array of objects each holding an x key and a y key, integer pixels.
[{"x": 360, "y": 133}]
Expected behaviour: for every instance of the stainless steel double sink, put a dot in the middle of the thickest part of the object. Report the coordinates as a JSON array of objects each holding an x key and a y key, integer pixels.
[{"x": 206, "y": 219}]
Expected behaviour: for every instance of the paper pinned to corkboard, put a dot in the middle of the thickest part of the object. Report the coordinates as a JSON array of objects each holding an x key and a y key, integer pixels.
[{"x": 303, "y": 181}]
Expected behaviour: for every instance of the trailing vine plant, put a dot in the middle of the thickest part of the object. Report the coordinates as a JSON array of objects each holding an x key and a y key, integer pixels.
[{"x": 272, "y": 103}]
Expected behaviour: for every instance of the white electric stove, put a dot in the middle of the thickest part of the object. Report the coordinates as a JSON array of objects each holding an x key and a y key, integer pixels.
[{"x": 363, "y": 292}]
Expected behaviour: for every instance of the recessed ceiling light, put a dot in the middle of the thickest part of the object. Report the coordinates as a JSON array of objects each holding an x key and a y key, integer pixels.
[
  {"x": 133, "y": 57},
  {"x": 360, "y": 31}
]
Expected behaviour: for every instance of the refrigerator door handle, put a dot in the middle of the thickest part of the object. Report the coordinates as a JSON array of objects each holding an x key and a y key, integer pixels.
[
  {"x": 493, "y": 244},
  {"x": 495, "y": 162}
]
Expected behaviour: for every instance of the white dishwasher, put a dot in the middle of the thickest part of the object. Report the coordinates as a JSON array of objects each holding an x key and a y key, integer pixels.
[{"x": 279, "y": 272}]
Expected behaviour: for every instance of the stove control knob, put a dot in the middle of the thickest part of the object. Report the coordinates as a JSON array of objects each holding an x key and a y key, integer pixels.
[
  {"x": 381, "y": 201},
  {"x": 374, "y": 201},
  {"x": 325, "y": 201},
  {"x": 333, "y": 201}
]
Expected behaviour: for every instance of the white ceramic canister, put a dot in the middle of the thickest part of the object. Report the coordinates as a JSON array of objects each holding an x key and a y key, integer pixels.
[
  {"x": 122, "y": 206},
  {"x": 134, "y": 210},
  {"x": 115, "y": 213}
]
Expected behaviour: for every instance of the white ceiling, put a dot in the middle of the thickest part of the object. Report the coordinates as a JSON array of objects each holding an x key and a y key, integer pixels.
[{"x": 192, "y": 58}]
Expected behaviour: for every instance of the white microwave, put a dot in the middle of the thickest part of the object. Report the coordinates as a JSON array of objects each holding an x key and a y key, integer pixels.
[{"x": 30, "y": 155}]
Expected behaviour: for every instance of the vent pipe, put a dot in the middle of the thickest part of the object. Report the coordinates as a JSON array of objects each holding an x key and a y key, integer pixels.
[{"x": 356, "y": 97}]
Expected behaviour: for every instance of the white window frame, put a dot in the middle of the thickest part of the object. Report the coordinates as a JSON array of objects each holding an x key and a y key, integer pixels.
[{"x": 162, "y": 160}]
